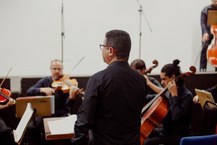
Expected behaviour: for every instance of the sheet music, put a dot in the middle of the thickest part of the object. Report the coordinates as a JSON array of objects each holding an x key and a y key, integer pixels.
[
  {"x": 62, "y": 126},
  {"x": 18, "y": 133}
]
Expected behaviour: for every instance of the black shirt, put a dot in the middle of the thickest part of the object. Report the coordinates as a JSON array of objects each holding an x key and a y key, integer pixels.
[
  {"x": 178, "y": 119},
  {"x": 112, "y": 106}
]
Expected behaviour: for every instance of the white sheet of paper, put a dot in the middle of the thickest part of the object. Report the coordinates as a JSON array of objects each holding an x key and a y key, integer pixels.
[
  {"x": 18, "y": 133},
  {"x": 62, "y": 126}
]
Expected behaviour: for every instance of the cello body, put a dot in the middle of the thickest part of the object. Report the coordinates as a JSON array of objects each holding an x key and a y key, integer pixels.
[
  {"x": 212, "y": 49},
  {"x": 152, "y": 117}
]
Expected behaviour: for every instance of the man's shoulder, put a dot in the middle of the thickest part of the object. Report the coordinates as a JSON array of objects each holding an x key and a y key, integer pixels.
[
  {"x": 46, "y": 78},
  {"x": 185, "y": 91}
]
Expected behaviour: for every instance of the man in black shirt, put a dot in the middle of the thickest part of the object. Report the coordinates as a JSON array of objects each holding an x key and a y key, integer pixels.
[{"x": 114, "y": 98}]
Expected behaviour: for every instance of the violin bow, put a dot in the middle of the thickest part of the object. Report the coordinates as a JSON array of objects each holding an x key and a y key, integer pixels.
[
  {"x": 76, "y": 64},
  {"x": 5, "y": 77}
]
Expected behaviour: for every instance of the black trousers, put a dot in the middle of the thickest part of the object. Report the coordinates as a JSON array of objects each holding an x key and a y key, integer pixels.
[{"x": 203, "y": 59}]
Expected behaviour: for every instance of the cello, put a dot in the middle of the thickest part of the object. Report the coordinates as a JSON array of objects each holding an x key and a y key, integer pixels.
[
  {"x": 211, "y": 53},
  {"x": 155, "y": 111}
]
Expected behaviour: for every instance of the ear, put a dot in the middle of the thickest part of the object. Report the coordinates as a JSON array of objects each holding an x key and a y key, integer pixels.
[
  {"x": 112, "y": 51},
  {"x": 142, "y": 71},
  {"x": 173, "y": 77}
]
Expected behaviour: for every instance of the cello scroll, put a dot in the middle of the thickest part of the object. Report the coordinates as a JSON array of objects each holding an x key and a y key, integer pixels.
[{"x": 155, "y": 62}]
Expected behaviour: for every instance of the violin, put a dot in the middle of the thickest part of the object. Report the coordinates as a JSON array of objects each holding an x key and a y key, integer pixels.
[
  {"x": 211, "y": 53},
  {"x": 4, "y": 95},
  {"x": 65, "y": 83},
  {"x": 155, "y": 62}
]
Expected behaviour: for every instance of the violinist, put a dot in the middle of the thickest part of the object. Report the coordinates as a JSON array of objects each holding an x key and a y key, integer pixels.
[
  {"x": 6, "y": 135},
  {"x": 140, "y": 66},
  {"x": 44, "y": 88},
  {"x": 63, "y": 100},
  {"x": 176, "y": 123},
  {"x": 206, "y": 34}
]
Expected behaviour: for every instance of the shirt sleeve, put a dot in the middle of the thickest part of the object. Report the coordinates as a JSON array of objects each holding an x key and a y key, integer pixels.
[
  {"x": 203, "y": 22},
  {"x": 35, "y": 89},
  {"x": 86, "y": 113}
]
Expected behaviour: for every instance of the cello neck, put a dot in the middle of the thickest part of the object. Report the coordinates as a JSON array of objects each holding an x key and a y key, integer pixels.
[{"x": 146, "y": 107}]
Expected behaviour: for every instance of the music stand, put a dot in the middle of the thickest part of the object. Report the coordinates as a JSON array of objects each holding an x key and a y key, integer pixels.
[
  {"x": 42, "y": 105},
  {"x": 204, "y": 96},
  {"x": 212, "y": 17},
  {"x": 57, "y": 128}
]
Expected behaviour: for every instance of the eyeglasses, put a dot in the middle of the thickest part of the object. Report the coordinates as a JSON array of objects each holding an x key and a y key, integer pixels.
[{"x": 101, "y": 46}]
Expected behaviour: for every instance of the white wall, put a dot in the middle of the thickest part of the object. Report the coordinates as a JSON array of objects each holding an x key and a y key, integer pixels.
[{"x": 30, "y": 33}]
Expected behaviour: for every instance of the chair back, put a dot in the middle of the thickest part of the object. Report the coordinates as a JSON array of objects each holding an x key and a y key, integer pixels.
[{"x": 199, "y": 140}]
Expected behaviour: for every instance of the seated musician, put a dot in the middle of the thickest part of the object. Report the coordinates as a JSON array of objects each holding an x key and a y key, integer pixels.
[
  {"x": 63, "y": 100},
  {"x": 208, "y": 120},
  {"x": 176, "y": 123},
  {"x": 140, "y": 66},
  {"x": 6, "y": 136}
]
